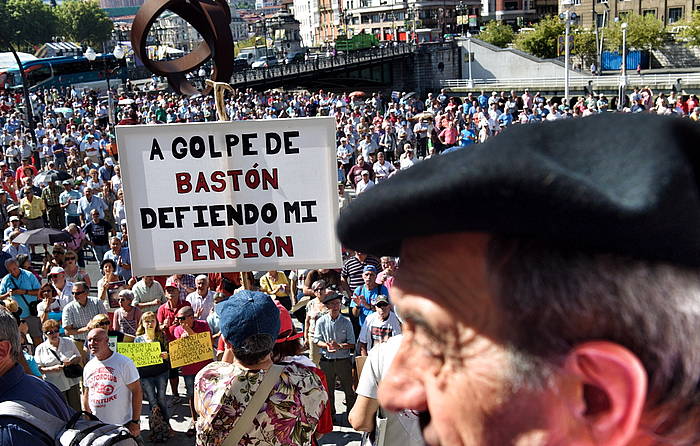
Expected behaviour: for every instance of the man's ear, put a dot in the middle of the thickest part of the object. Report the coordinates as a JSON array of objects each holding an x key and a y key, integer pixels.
[{"x": 612, "y": 389}]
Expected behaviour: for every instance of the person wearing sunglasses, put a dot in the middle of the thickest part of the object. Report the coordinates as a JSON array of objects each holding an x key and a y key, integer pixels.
[
  {"x": 52, "y": 355},
  {"x": 74, "y": 273}
]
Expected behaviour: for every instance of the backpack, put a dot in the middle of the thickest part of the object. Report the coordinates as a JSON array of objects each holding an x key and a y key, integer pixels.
[{"x": 76, "y": 432}]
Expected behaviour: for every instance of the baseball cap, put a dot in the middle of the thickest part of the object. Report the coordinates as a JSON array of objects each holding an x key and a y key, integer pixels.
[
  {"x": 56, "y": 270},
  {"x": 287, "y": 330},
  {"x": 381, "y": 299},
  {"x": 14, "y": 218},
  {"x": 170, "y": 283},
  {"x": 369, "y": 268},
  {"x": 67, "y": 183},
  {"x": 109, "y": 161},
  {"x": 248, "y": 313}
]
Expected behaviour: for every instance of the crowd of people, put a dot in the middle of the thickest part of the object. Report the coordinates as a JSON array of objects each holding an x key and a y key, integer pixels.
[{"x": 70, "y": 180}]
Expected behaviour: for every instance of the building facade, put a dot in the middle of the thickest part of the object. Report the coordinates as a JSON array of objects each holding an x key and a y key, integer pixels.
[{"x": 600, "y": 13}]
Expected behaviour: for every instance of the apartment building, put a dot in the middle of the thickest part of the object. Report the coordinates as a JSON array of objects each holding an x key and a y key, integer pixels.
[{"x": 600, "y": 13}]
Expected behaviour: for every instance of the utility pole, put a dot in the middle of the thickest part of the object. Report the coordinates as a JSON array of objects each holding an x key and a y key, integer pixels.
[
  {"x": 25, "y": 91},
  {"x": 567, "y": 16}
]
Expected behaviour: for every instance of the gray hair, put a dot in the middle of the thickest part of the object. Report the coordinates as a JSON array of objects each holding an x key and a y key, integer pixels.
[
  {"x": 10, "y": 261},
  {"x": 126, "y": 293},
  {"x": 202, "y": 277},
  {"x": 83, "y": 286},
  {"x": 10, "y": 332},
  {"x": 555, "y": 298}
]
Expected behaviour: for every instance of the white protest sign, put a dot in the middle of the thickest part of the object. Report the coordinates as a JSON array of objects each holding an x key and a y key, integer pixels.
[{"x": 230, "y": 196}]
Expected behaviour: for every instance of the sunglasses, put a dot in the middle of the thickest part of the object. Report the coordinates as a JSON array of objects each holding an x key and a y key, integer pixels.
[
  {"x": 50, "y": 332},
  {"x": 103, "y": 324},
  {"x": 181, "y": 318},
  {"x": 70, "y": 258}
]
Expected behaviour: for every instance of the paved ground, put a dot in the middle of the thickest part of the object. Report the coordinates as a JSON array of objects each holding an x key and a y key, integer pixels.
[{"x": 180, "y": 421}]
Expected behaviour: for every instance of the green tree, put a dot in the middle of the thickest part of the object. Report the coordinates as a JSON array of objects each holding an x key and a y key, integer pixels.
[
  {"x": 643, "y": 33},
  {"x": 584, "y": 46},
  {"x": 84, "y": 22},
  {"x": 26, "y": 23},
  {"x": 497, "y": 33},
  {"x": 691, "y": 34},
  {"x": 542, "y": 41}
]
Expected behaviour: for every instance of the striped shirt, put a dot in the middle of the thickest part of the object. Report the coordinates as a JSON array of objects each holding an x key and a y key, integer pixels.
[
  {"x": 78, "y": 316},
  {"x": 352, "y": 270}
]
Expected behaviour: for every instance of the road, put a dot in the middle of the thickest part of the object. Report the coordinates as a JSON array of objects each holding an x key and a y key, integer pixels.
[{"x": 180, "y": 421}]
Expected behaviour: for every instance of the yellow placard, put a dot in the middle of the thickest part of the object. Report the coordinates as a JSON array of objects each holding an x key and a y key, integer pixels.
[
  {"x": 191, "y": 349},
  {"x": 142, "y": 353}
]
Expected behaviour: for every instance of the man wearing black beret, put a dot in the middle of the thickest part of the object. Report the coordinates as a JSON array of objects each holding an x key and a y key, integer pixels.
[{"x": 549, "y": 283}]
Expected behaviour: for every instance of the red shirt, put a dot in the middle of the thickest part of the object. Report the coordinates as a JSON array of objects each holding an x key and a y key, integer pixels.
[
  {"x": 166, "y": 312},
  {"x": 198, "y": 327}
]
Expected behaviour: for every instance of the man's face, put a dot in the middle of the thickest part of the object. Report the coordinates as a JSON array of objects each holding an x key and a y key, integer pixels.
[
  {"x": 380, "y": 157},
  {"x": 58, "y": 278},
  {"x": 13, "y": 269},
  {"x": 462, "y": 388},
  {"x": 80, "y": 295},
  {"x": 97, "y": 342},
  {"x": 202, "y": 286},
  {"x": 383, "y": 310},
  {"x": 172, "y": 293},
  {"x": 369, "y": 277},
  {"x": 88, "y": 193},
  {"x": 148, "y": 280},
  {"x": 95, "y": 216},
  {"x": 185, "y": 319},
  {"x": 333, "y": 307},
  {"x": 115, "y": 244}
]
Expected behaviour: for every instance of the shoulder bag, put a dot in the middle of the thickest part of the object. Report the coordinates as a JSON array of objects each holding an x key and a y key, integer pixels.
[
  {"x": 72, "y": 370},
  {"x": 245, "y": 422}
]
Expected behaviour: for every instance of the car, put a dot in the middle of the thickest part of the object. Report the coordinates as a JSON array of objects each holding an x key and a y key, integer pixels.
[
  {"x": 294, "y": 58},
  {"x": 265, "y": 62},
  {"x": 240, "y": 65}
]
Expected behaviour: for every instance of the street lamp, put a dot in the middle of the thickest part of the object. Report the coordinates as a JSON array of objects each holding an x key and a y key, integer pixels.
[
  {"x": 469, "y": 51},
  {"x": 623, "y": 77},
  {"x": 118, "y": 54},
  {"x": 567, "y": 16}
]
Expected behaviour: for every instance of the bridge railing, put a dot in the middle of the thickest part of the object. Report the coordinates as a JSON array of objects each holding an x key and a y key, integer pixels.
[
  {"x": 576, "y": 81},
  {"x": 321, "y": 63}
]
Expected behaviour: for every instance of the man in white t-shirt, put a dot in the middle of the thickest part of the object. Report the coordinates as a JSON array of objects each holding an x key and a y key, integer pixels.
[
  {"x": 379, "y": 326},
  {"x": 111, "y": 386},
  {"x": 382, "y": 168},
  {"x": 401, "y": 428}
]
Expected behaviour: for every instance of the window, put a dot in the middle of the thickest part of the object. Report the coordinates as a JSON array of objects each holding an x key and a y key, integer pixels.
[
  {"x": 651, "y": 12},
  {"x": 38, "y": 73},
  {"x": 577, "y": 2},
  {"x": 511, "y": 6},
  {"x": 375, "y": 18},
  {"x": 364, "y": 19},
  {"x": 675, "y": 15},
  {"x": 600, "y": 20}
]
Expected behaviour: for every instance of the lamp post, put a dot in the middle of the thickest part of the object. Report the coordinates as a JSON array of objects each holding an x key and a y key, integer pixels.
[
  {"x": 118, "y": 54},
  {"x": 623, "y": 76},
  {"x": 469, "y": 51},
  {"x": 25, "y": 93},
  {"x": 567, "y": 16},
  {"x": 461, "y": 9}
]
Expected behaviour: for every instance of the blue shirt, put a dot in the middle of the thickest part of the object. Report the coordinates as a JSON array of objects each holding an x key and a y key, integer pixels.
[
  {"x": 15, "y": 385},
  {"x": 25, "y": 281},
  {"x": 371, "y": 298},
  {"x": 72, "y": 209}
]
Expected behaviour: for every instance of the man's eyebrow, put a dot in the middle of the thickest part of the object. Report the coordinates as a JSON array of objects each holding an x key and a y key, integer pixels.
[{"x": 418, "y": 320}]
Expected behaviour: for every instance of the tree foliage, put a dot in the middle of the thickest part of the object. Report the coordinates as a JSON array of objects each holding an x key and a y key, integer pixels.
[
  {"x": 691, "y": 34},
  {"x": 644, "y": 32},
  {"x": 25, "y": 23},
  {"x": 542, "y": 41},
  {"x": 497, "y": 33},
  {"x": 584, "y": 46},
  {"x": 84, "y": 22}
]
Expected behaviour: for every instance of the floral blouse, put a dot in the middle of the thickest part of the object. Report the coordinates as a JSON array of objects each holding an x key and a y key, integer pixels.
[{"x": 288, "y": 418}]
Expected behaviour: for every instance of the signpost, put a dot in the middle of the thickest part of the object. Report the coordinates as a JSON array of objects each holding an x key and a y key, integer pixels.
[{"x": 231, "y": 196}]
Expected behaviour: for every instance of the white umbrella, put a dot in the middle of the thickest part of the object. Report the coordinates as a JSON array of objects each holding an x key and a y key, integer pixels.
[{"x": 126, "y": 101}]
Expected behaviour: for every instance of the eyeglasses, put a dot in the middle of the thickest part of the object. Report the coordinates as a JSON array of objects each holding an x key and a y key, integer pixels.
[
  {"x": 70, "y": 258},
  {"x": 150, "y": 321},
  {"x": 181, "y": 318},
  {"x": 50, "y": 332},
  {"x": 103, "y": 324}
]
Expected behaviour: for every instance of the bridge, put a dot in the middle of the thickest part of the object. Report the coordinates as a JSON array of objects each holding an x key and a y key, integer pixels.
[{"x": 351, "y": 70}]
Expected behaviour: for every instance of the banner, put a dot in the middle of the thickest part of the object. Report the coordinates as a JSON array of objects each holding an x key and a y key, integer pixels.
[
  {"x": 142, "y": 353},
  {"x": 191, "y": 349},
  {"x": 230, "y": 196}
]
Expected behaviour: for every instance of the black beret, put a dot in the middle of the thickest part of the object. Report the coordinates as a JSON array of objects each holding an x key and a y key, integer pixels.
[{"x": 616, "y": 183}]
